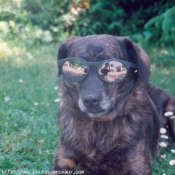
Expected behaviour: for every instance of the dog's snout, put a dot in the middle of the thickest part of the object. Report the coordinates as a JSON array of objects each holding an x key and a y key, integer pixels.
[{"x": 91, "y": 100}]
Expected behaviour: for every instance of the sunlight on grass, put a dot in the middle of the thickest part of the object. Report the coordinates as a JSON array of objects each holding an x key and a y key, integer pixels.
[
  {"x": 28, "y": 132},
  {"x": 4, "y": 50}
]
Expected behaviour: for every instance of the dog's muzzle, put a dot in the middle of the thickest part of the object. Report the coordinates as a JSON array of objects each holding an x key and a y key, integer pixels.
[{"x": 95, "y": 105}]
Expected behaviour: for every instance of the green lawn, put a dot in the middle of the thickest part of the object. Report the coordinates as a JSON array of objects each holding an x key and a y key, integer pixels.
[
  {"x": 28, "y": 113},
  {"x": 28, "y": 110}
]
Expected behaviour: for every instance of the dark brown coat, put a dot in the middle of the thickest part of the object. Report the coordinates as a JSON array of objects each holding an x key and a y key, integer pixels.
[{"x": 123, "y": 140}]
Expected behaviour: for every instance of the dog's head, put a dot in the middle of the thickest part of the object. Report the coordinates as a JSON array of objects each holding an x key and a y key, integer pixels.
[{"x": 93, "y": 95}]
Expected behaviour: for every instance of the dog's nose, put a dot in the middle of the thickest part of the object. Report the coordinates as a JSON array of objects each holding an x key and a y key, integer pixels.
[{"x": 91, "y": 100}]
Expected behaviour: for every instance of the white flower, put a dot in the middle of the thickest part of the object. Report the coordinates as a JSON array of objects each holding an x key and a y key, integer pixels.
[
  {"x": 169, "y": 113},
  {"x": 163, "y": 156},
  {"x": 56, "y": 88},
  {"x": 20, "y": 81},
  {"x": 40, "y": 141},
  {"x": 172, "y": 150},
  {"x": 163, "y": 174},
  {"x": 164, "y": 136},
  {"x": 162, "y": 130},
  {"x": 36, "y": 103},
  {"x": 57, "y": 100},
  {"x": 163, "y": 144},
  {"x": 7, "y": 99},
  {"x": 172, "y": 162}
]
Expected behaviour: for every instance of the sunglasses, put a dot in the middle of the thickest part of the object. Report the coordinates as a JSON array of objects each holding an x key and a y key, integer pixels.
[{"x": 111, "y": 71}]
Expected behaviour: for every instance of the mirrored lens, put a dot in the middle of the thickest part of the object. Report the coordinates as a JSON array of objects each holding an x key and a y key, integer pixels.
[
  {"x": 112, "y": 71},
  {"x": 74, "y": 70}
]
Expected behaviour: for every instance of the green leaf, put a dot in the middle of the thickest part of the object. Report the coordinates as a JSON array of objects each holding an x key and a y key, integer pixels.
[
  {"x": 168, "y": 22},
  {"x": 154, "y": 21}
]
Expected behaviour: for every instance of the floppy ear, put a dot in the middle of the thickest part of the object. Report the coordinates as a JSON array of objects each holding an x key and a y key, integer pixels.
[
  {"x": 65, "y": 49},
  {"x": 140, "y": 58}
]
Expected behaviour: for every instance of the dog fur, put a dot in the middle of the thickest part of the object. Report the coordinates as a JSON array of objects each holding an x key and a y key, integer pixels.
[{"x": 119, "y": 135}]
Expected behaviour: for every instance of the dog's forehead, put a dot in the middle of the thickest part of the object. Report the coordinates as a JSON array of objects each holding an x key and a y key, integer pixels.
[{"x": 97, "y": 47}]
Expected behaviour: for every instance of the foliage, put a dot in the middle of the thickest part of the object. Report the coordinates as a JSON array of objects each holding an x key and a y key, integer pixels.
[
  {"x": 33, "y": 21},
  {"x": 114, "y": 17},
  {"x": 40, "y": 21},
  {"x": 165, "y": 27},
  {"x": 120, "y": 18}
]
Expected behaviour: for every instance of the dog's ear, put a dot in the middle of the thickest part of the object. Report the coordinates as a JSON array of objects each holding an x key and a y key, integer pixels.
[
  {"x": 64, "y": 49},
  {"x": 140, "y": 58},
  {"x": 62, "y": 52}
]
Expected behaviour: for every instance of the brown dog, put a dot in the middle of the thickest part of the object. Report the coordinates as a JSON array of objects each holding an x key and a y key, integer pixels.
[{"x": 109, "y": 122}]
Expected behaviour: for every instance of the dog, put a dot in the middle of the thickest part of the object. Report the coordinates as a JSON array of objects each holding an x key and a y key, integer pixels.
[{"x": 110, "y": 123}]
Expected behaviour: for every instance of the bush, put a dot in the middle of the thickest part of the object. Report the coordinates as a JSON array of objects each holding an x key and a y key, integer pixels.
[
  {"x": 53, "y": 20},
  {"x": 33, "y": 21},
  {"x": 163, "y": 27},
  {"x": 121, "y": 17}
]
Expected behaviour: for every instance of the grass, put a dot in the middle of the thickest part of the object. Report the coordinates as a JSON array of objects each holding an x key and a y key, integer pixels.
[
  {"x": 28, "y": 117},
  {"x": 28, "y": 111},
  {"x": 163, "y": 71}
]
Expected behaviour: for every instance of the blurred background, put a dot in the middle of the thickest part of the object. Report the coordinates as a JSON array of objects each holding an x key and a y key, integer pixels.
[
  {"x": 39, "y": 21},
  {"x": 30, "y": 34}
]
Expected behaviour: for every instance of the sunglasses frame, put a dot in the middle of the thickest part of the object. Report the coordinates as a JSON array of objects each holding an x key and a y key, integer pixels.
[{"x": 127, "y": 64}]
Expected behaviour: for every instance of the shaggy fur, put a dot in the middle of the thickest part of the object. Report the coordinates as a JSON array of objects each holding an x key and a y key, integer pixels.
[{"x": 123, "y": 139}]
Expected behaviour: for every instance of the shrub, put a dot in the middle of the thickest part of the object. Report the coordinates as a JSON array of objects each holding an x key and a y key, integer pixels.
[
  {"x": 54, "y": 20},
  {"x": 163, "y": 27}
]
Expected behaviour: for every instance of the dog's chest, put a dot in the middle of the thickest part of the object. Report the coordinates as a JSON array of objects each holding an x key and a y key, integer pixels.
[
  {"x": 98, "y": 163},
  {"x": 101, "y": 140}
]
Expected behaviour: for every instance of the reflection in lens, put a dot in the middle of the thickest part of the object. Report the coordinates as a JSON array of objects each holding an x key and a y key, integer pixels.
[
  {"x": 74, "y": 70},
  {"x": 112, "y": 71}
]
